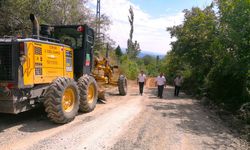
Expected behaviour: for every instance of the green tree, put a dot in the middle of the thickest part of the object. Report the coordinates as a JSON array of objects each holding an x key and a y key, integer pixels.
[
  {"x": 212, "y": 52},
  {"x": 14, "y": 15},
  {"x": 118, "y": 51},
  {"x": 194, "y": 45},
  {"x": 148, "y": 59},
  {"x": 233, "y": 63},
  {"x": 129, "y": 67}
]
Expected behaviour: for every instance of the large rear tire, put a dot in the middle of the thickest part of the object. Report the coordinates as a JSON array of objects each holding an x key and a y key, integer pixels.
[
  {"x": 88, "y": 93},
  {"x": 62, "y": 100},
  {"x": 122, "y": 85}
]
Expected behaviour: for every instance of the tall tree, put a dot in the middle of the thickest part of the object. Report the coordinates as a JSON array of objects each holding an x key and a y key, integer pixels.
[
  {"x": 133, "y": 48},
  {"x": 195, "y": 41},
  {"x": 131, "y": 22}
]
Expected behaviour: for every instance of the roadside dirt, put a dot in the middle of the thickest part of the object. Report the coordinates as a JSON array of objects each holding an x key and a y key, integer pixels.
[{"x": 123, "y": 122}]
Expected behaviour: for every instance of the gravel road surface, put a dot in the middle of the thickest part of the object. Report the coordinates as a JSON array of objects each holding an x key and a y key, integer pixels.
[{"x": 124, "y": 123}]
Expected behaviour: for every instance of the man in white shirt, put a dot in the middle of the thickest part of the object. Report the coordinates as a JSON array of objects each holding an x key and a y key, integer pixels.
[
  {"x": 161, "y": 82},
  {"x": 141, "y": 80}
]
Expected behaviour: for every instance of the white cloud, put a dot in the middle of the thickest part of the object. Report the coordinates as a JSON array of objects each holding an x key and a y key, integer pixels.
[{"x": 149, "y": 31}]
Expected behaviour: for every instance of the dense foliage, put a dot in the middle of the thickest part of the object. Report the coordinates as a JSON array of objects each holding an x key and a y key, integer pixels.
[
  {"x": 14, "y": 14},
  {"x": 212, "y": 52}
]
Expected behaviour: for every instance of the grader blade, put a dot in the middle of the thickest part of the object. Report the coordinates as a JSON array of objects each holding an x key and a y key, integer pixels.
[{"x": 101, "y": 95}]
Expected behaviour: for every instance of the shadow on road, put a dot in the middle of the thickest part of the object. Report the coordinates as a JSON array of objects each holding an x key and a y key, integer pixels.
[
  {"x": 193, "y": 118},
  {"x": 36, "y": 120},
  {"x": 168, "y": 94},
  {"x": 112, "y": 94},
  {"x": 134, "y": 94},
  {"x": 31, "y": 121}
]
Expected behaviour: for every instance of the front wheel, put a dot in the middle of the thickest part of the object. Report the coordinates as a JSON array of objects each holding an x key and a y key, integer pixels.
[{"x": 88, "y": 93}]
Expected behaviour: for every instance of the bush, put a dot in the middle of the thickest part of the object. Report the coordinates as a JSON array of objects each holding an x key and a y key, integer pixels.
[
  {"x": 129, "y": 68},
  {"x": 226, "y": 84}
]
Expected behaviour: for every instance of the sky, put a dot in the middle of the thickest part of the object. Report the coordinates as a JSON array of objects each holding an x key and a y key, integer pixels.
[{"x": 151, "y": 18}]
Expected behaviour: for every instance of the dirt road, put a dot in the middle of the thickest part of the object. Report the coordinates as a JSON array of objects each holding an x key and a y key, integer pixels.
[{"x": 129, "y": 122}]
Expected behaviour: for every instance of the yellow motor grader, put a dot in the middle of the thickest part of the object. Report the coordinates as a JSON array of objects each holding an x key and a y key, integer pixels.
[
  {"x": 53, "y": 67},
  {"x": 105, "y": 74}
]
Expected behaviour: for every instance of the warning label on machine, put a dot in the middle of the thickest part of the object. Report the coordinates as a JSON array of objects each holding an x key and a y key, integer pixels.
[{"x": 69, "y": 66}]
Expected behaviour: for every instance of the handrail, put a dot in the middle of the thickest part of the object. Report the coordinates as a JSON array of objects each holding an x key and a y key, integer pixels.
[{"x": 45, "y": 38}]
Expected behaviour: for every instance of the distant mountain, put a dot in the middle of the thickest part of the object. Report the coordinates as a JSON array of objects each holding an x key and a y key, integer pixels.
[{"x": 144, "y": 53}]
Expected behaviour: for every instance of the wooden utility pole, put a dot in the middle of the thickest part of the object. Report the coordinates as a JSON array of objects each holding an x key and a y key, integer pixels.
[
  {"x": 157, "y": 62},
  {"x": 107, "y": 51}
]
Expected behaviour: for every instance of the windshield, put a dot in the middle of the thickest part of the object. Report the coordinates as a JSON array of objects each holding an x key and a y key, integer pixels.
[{"x": 69, "y": 36}]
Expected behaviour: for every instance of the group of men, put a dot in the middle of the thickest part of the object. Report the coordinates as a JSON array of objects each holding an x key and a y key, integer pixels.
[{"x": 160, "y": 81}]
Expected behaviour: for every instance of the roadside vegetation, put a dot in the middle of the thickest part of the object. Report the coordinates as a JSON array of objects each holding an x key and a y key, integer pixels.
[{"x": 212, "y": 53}]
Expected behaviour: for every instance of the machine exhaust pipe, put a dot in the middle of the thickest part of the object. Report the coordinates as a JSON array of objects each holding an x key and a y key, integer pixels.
[{"x": 35, "y": 25}]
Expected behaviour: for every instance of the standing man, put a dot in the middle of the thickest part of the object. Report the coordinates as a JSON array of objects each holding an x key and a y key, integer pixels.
[
  {"x": 161, "y": 82},
  {"x": 177, "y": 84},
  {"x": 141, "y": 80}
]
